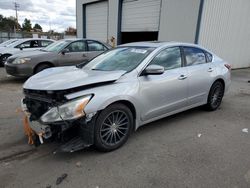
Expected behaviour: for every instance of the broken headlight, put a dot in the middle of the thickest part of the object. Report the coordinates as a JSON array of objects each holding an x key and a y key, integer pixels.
[{"x": 68, "y": 111}]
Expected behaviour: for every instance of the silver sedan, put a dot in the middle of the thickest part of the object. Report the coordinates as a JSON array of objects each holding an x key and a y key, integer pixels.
[{"x": 102, "y": 102}]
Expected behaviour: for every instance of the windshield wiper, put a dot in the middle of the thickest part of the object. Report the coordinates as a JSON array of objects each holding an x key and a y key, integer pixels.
[
  {"x": 43, "y": 50},
  {"x": 81, "y": 65}
]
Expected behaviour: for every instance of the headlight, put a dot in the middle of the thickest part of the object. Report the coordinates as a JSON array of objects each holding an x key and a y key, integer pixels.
[
  {"x": 71, "y": 110},
  {"x": 18, "y": 61}
]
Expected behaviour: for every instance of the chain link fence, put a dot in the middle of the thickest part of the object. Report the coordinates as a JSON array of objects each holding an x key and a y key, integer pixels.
[{"x": 4, "y": 35}]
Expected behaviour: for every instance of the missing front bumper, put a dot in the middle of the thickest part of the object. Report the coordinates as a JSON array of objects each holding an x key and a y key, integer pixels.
[{"x": 73, "y": 135}]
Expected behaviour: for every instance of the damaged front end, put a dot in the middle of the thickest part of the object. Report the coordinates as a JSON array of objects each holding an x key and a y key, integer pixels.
[{"x": 52, "y": 117}]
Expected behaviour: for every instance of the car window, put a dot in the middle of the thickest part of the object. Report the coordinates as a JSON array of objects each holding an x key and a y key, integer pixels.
[
  {"x": 78, "y": 46},
  {"x": 34, "y": 44},
  {"x": 209, "y": 57},
  {"x": 194, "y": 56},
  {"x": 169, "y": 58},
  {"x": 45, "y": 43},
  {"x": 96, "y": 46},
  {"x": 24, "y": 45}
]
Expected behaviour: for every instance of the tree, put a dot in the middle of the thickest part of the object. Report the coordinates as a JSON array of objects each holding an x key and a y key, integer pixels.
[
  {"x": 8, "y": 24},
  {"x": 37, "y": 27},
  {"x": 26, "y": 26}
]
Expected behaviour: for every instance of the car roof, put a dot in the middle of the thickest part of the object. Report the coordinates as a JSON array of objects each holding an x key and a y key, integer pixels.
[
  {"x": 157, "y": 44},
  {"x": 76, "y": 39}
]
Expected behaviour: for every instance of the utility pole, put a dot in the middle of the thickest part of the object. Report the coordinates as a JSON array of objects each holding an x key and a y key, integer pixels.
[{"x": 16, "y": 5}]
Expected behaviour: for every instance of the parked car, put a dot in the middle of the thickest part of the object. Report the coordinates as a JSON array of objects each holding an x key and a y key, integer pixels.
[
  {"x": 121, "y": 90},
  {"x": 61, "y": 53},
  {"x": 8, "y": 42},
  {"x": 22, "y": 45}
]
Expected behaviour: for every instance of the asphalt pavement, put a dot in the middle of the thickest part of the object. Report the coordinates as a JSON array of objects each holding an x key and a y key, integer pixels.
[{"x": 193, "y": 149}]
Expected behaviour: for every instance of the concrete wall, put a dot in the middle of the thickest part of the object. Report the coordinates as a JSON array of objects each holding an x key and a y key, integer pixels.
[
  {"x": 225, "y": 29},
  {"x": 178, "y": 20},
  {"x": 113, "y": 19}
]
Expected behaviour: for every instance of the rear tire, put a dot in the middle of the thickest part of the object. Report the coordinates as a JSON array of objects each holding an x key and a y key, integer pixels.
[
  {"x": 215, "y": 96},
  {"x": 41, "y": 68},
  {"x": 113, "y": 127}
]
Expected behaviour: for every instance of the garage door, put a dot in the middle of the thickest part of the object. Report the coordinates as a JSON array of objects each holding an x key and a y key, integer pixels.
[
  {"x": 97, "y": 21},
  {"x": 140, "y": 15}
]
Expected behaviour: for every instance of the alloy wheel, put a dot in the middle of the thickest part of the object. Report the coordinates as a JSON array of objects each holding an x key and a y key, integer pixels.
[{"x": 114, "y": 128}]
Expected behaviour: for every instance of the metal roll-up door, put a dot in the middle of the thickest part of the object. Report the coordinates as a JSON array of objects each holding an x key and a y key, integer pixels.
[
  {"x": 97, "y": 21},
  {"x": 140, "y": 15}
]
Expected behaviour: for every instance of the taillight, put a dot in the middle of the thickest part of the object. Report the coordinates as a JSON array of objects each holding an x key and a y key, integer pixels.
[{"x": 227, "y": 66}]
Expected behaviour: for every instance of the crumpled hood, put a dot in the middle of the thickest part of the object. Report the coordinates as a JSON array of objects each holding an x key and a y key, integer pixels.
[{"x": 62, "y": 78}]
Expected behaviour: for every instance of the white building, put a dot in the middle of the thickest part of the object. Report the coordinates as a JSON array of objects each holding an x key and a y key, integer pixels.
[{"x": 222, "y": 26}]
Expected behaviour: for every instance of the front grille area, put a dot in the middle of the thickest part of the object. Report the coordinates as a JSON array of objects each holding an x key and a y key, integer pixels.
[
  {"x": 38, "y": 102},
  {"x": 36, "y": 107}
]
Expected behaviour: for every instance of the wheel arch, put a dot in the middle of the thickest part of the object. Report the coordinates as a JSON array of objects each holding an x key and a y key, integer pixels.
[
  {"x": 42, "y": 63},
  {"x": 130, "y": 105},
  {"x": 220, "y": 80},
  {"x": 7, "y": 54}
]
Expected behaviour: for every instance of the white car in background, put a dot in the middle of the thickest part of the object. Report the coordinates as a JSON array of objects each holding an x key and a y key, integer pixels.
[
  {"x": 8, "y": 42},
  {"x": 22, "y": 45}
]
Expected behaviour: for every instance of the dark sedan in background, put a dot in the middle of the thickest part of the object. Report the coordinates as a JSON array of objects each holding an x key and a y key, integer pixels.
[{"x": 61, "y": 53}]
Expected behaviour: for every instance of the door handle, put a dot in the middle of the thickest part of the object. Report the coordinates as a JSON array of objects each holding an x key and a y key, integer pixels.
[
  {"x": 182, "y": 77},
  {"x": 210, "y": 70},
  {"x": 83, "y": 55}
]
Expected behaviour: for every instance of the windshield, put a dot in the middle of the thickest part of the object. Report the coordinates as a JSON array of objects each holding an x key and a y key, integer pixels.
[
  {"x": 122, "y": 58},
  {"x": 56, "y": 46},
  {"x": 8, "y": 42}
]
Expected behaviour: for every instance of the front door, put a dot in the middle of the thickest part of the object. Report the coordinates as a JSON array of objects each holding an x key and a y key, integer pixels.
[
  {"x": 165, "y": 93},
  {"x": 74, "y": 53}
]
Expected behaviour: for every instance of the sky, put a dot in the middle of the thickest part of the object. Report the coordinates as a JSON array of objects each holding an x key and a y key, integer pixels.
[{"x": 50, "y": 14}]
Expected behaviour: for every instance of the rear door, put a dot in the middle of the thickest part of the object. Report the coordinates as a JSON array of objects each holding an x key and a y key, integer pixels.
[
  {"x": 76, "y": 53},
  {"x": 165, "y": 93},
  {"x": 95, "y": 48},
  {"x": 200, "y": 73}
]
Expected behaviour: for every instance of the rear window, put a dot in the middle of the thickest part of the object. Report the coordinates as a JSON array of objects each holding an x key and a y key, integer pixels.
[
  {"x": 209, "y": 57},
  {"x": 45, "y": 43},
  {"x": 194, "y": 56}
]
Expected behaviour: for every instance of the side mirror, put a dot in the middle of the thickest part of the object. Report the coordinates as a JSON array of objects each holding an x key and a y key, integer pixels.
[
  {"x": 21, "y": 48},
  {"x": 64, "y": 51},
  {"x": 153, "y": 70}
]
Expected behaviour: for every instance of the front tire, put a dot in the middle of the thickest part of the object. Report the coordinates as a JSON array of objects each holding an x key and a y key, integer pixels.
[
  {"x": 215, "y": 96},
  {"x": 3, "y": 59},
  {"x": 113, "y": 127}
]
